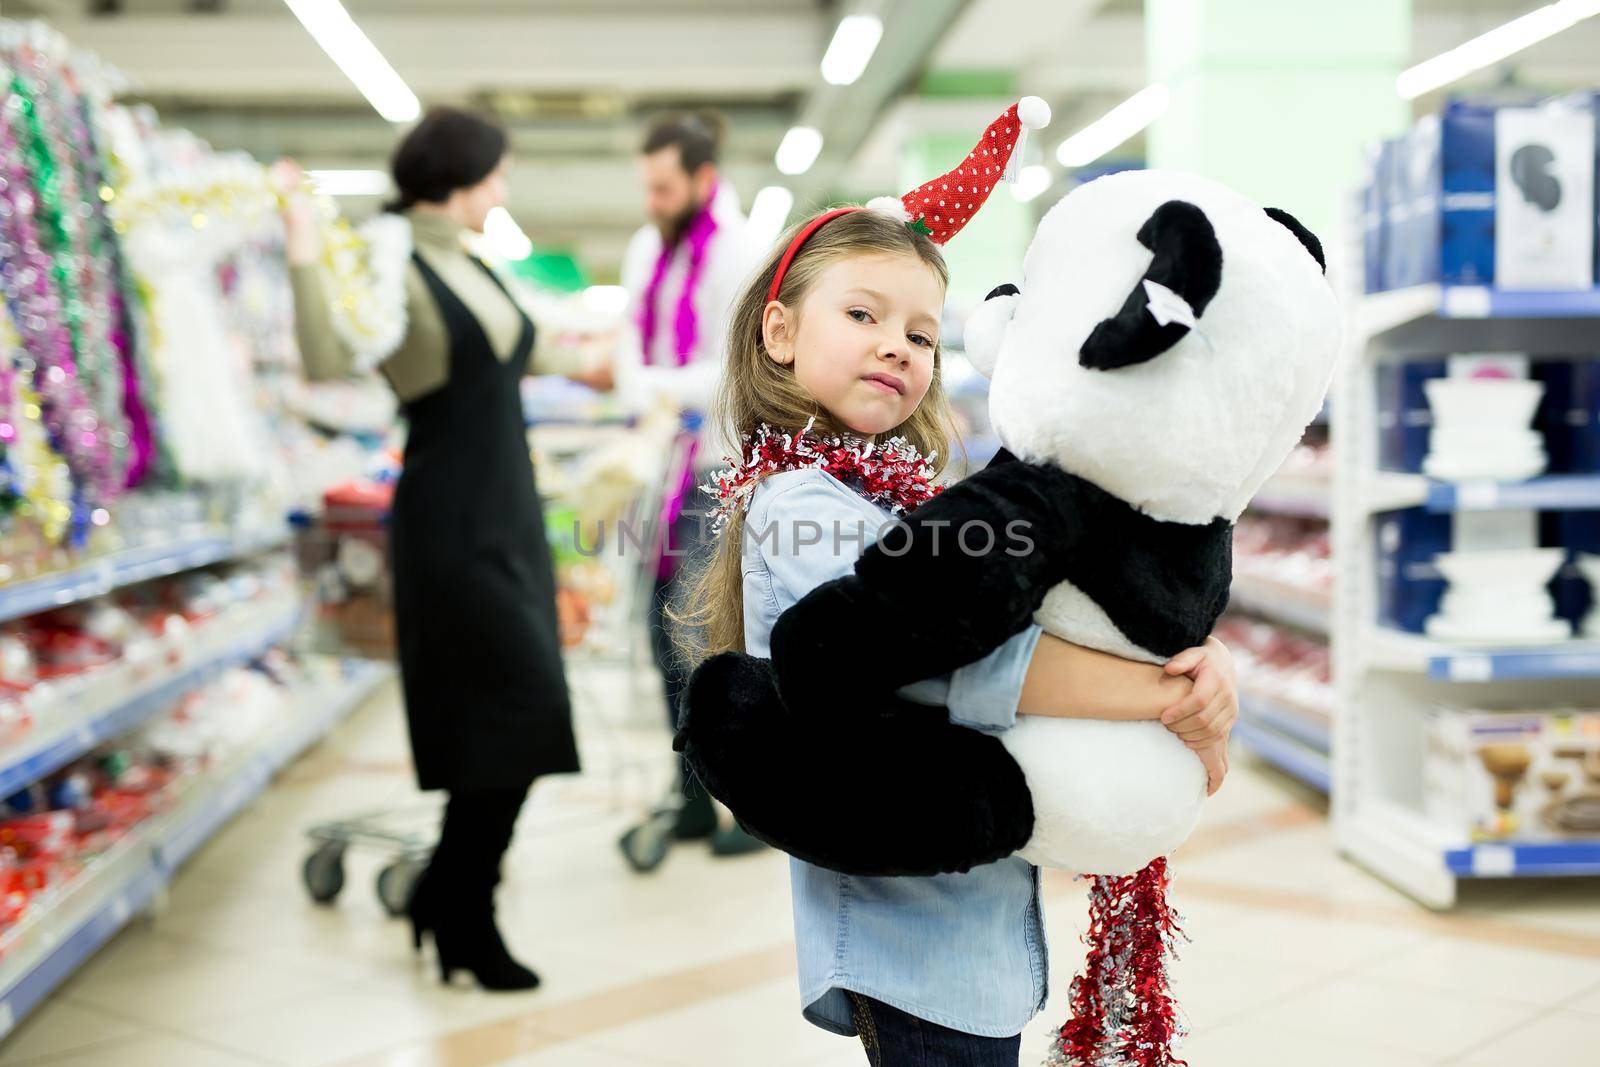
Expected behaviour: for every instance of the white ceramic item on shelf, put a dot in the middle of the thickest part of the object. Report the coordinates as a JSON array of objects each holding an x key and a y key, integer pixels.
[
  {"x": 1519, "y": 610},
  {"x": 1488, "y": 636},
  {"x": 1453, "y": 440},
  {"x": 1496, "y": 468},
  {"x": 1483, "y": 402},
  {"x": 1499, "y": 597},
  {"x": 1481, "y": 429},
  {"x": 1519, "y": 568}
]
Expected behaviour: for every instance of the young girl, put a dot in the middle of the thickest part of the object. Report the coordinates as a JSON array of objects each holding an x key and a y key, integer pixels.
[{"x": 945, "y": 969}]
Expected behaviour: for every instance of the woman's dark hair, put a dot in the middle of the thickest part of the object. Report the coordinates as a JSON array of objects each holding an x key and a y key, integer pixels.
[
  {"x": 697, "y": 135},
  {"x": 448, "y": 150}
]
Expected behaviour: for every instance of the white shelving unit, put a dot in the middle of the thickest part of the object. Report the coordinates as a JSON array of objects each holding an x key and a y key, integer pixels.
[
  {"x": 48, "y": 946},
  {"x": 66, "y": 927},
  {"x": 1385, "y": 680}
]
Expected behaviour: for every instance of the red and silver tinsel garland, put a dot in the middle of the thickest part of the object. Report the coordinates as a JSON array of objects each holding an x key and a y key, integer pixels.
[
  {"x": 893, "y": 475},
  {"x": 1123, "y": 1011}
]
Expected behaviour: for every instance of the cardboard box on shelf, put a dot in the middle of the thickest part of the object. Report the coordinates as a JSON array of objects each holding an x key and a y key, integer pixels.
[
  {"x": 1544, "y": 208},
  {"x": 1514, "y": 775}
]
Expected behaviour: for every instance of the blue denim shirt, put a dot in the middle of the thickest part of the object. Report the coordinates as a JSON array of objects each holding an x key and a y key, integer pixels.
[{"x": 965, "y": 951}]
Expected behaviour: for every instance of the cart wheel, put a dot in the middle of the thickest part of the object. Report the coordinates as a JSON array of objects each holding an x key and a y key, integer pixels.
[
  {"x": 396, "y": 883},
  {"x": 324, "y": 873},
  {"x": 645, "y": 846}
]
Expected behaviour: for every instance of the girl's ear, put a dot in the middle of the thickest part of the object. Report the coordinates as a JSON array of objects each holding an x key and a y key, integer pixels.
[{"x": 777, "y": 332}]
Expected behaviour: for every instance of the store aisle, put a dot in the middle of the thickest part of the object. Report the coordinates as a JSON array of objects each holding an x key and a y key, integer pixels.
[{"x": 1295, "y": 952}]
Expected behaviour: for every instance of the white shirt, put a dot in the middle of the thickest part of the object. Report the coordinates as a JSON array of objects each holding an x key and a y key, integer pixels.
[{"x": 730, "y": 259}]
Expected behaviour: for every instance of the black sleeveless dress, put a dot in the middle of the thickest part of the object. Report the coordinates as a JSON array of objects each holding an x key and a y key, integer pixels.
[{"x": 479, "y": 647}]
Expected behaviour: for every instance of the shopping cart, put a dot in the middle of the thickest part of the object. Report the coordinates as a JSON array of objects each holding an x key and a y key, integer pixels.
[{"x": 619, "y": 527}]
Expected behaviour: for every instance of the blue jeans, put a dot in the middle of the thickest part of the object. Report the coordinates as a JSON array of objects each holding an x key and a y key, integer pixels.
[{"x": 893, "y": 1038}]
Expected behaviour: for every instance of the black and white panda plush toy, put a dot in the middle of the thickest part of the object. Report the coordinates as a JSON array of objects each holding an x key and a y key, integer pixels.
[{"x": 1168, "y": 345}]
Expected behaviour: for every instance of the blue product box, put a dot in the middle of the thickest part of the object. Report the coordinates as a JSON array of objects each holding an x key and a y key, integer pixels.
[
  {"x": 1442, "y": 229},
  {"x": 1569, "y": 415},
  {"x": 1374, "y": 213},
  {"x": 1579, "y": 533},
  {"x": 1409, "y": 584},
  {"x": 1583, "y": 416},
  {"x": 1404, "y": 418}
]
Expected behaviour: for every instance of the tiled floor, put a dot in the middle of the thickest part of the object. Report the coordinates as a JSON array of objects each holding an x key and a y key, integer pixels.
[{"x": 1297, "y": 958}]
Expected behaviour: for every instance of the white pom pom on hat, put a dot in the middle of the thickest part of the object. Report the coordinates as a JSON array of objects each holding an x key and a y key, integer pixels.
[
  {"x": 890, "y": 206},
  {"x": 1033, "y": 113}
]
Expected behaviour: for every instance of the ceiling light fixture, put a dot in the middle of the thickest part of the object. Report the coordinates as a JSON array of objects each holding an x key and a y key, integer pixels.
[{"x": 331, "y": 26}]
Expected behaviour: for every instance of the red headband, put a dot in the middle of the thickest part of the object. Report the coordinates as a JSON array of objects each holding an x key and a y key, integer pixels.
[
  {"x": 799, "y": 239},
  {"x": 934, "y": 208}
]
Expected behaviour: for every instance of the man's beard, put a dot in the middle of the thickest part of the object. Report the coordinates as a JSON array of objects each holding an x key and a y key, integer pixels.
[{"x": 673, "y": 229}]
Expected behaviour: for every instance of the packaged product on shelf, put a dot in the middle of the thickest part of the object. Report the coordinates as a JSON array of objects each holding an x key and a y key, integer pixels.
[
  {"x": 1570, "y": 415},
  {"x": 1288, "y": 551},
  {"x": 1374, "y": 219},
  {"x": 1441, "y": 200},
  {"x": 1409, "y": 583},
  {"x": 1545, "y": 211},
  {"x": 1404, "y": 418},
  {"x": 1513, "y": 775},
  {"x": 1292, "y": 669}
]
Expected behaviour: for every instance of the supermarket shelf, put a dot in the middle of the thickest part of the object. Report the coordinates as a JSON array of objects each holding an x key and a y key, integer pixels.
[
  {"x": 1382, "y": 312},
  {"x": 1400, "y": 846},
  {"x": 1391, "y": 491},
  {"x": 1393, "y": 650},
  {"x": 1511, "y": 859},
  {"x": 1309, "y": 726},
  {"x": 1297, "y": 605},
  {"x": 46, "y": 949},
  {"x": 1553, "y": 492},
  {"x": 1308, "y": 498},
  {"x": 100, "y": 576},
  {"x": 122, "y": 703},
  {"x": 1285, "y": 753}
]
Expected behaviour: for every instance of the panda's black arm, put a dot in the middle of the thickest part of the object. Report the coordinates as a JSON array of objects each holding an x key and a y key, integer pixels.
[
  {"x": 815, "y": 754},
  {"x": 964, "y": 573}
]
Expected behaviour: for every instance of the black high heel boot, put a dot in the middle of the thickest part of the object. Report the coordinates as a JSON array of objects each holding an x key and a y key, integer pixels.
[
  {"x": 457, "y": 892},
  {"x": 471, "y": 942},
  {"x": 420, "y": 909}
]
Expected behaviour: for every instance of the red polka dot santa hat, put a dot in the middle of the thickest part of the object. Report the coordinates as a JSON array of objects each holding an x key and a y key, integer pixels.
[{"x": 941, "y": 207}]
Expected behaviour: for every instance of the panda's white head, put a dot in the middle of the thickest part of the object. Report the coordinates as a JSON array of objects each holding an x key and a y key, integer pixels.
[{"x": 1092, "y": 368}]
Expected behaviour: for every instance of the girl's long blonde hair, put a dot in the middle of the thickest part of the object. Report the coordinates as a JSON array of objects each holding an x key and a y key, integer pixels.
[{"x": 708, "y": 617}]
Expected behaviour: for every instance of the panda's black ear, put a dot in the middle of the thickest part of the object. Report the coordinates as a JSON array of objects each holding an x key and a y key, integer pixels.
[
  {"x": 1187, "y": 264},
  {"x": 1303, "y": 235}
]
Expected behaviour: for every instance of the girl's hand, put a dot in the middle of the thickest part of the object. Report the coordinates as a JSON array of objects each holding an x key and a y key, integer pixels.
[
  {"x": 1206, "y": 716},
  {"x": 1215, "y": 759}
]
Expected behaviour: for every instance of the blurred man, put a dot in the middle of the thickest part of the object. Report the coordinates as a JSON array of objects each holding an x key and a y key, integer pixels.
[{"x": 682, "y": 271}]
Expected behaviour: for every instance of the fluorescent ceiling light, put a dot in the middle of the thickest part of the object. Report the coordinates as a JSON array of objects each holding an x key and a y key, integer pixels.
[
  {"x": 798, "y": 150},
  {"x": 607, "y": 300},
  {"x": 331, "y": 26},
  {"x": 1114, "y": 127},
  {"x": 504, "y": 237},
  {"x": 1031, "y": 181},
  {"x": 851, "y": 48},
  {"x": 1488, "y": 48},
  {"x": 768, "y": 212},
  {"x": 350, "y": 182}
]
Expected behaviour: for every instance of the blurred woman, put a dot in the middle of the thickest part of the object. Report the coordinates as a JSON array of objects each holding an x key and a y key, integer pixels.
[{"x": 474, "y": 591}]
